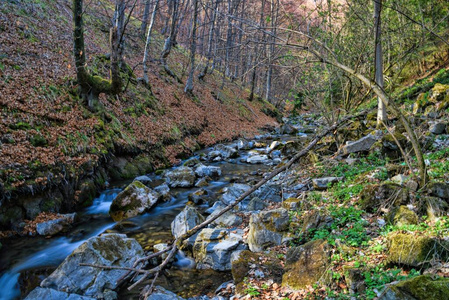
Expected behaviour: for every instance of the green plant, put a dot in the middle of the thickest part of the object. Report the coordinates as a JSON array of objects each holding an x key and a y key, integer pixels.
[{"x": 251, "y": 289}]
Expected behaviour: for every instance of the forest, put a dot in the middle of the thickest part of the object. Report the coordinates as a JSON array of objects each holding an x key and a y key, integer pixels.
[{"x": 224, "y": 149}]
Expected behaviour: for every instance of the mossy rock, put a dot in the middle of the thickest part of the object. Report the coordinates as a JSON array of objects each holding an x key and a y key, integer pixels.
[
  {"x": 376, "y": 196},
  {"x": 271, "y": 266},
  {"x": 390, "y": 144},
  {"x": 87, "y": 194},
  {"x": 421, "y": 102},
  {"x": 439, "y": 92},
  {"x": 412, "y": 250},
  {"x": 306, "y": 264},
  {"x": 401, "y": 216},
  {"x": 433, "y": 207},
  {"x": 424, "y": 287}
]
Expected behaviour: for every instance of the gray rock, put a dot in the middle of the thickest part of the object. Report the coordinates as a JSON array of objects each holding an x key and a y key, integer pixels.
[
  {"x": 258, "y": 159},
  {"x": 266, "y": 229},
  {"x": 53, "y": 227},
  {"x": 226, "y": 151},
  {"x": 144, "y": 179},
  {"x": 323, "y": 183},
  {"x": 107, "y": 249},
  {"x": 160, "y": 293},
  {"x": 437, "y": 128},
  {"x": 363, "y": 144},
  {"x": 185, "y": 220},
  {"x": 202, "y": 182},
  {"x": 439, "y": 189},
  {"x": 233, "y": 191},
  {"x": 164, "y": 192},
  {"x": 213, "y": 249},
  {"x": 135, "y": 199},
  {"x": 191, "y": 162},
  {"x": 399, "y": 179},
  {"x": 269, "y": 192},
  {"x": 51, "y": 294},
  {"x": 244, "y": 145},
  {"x": 229, "y": 219},
  {"x": 181, "y": 177},
  {"x": 198, "y": 196},
  {"x": 213, "y": 155},
  {"x": 256, "y": 204},
  {"x": 211, "y": 171},
  {"x": 424, "y": 287}
]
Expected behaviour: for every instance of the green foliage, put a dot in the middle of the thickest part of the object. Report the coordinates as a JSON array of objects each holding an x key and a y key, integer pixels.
[
  {"x": 377, "y": 277},
  {"x": 20, "y": 126},
  {"x": 38, "y": 140},
  {"x": 347, "y": 226},
  {"x": 251, "y": 289}
]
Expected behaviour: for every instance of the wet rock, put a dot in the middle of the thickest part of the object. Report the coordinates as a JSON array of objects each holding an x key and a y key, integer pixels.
[
  {"x": 160, "y": 293},
  {"x": 402, "y": 215},
  {"x": 306, "y": 265},
  {"x": 266, "y": 229},
  {"x": 135, "y": 199},
  {"x": 53, "y": 227},
  {"x": 198, "y": 197},
  {"x": 51, "y": 294},
  {"x": 214, "y": 155},
  {"x": 325, "y": 182},
  {"x": 233, "y": 191},
  {"x": 164, "y": 192},
  {"x": 144, "y": 179},
  {"x": 439, "y": 189},
  {"x": 258, "y": 159},
  {"x": 213, "y": 248},
  {"x": 107, "y": 249},
  {"x": 244, "y": 145},
  {"x": 191, "y": 162},
  {"x": 181, "y": 177},
  {"x": 211, "y": 171},
  {"x": 226, "y": 151},
  {"x": 437, "y": 127},
  {"x": 203, "y": 182},
  {"x": 361, "y": 145},
  {"x": 288, "y": 129},
  {"x": 185, "y": 220},
  {"x": 411, "y": 250},
  {"x": 256, "y": 204},
  {"x": 424, "y": 287}
]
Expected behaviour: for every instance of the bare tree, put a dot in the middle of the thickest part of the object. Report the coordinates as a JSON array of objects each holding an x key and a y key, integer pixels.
[
  {"x": 381, "y": 109},
  {"x": 189, "y": 85}
]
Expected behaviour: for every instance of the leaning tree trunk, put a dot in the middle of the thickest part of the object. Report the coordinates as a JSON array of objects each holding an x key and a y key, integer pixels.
[{"x": 146, "y": 14}]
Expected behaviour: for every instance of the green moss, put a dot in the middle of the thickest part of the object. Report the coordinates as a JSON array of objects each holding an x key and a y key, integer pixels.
[
  {"x": 402, "y": 216},
  {"x": 20, "y": 126},
  {"x": 38, "y": 140},
  {"x": 410, "y": 250},
  {"x": 425, "y": 287}
]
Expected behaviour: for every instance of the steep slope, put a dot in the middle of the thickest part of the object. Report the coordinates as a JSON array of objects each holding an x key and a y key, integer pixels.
[{"x": 53, "y": 147}]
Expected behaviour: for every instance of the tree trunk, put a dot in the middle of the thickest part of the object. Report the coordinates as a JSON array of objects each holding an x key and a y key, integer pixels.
[
  {"x": 189, "y": 85},
  {"x": 147, "y": 43},
  {"x": 146, "y": 14},
  {"x": 381, "y": 109}
]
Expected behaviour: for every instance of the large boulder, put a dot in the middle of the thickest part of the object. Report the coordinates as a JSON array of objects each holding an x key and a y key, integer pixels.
[
  {"x": 258, "y": 159},
  {"x": 135, "y": 199},
  {"x": 305, "y": 265},
  {"x": 375, "y": 196},
  {"x": 185, "y": 220},
  {"x": 107, "y": 250},
  {"x": 228, "y": 219},
  {"x": 270, "y": 191},
  {"x": 413, "y": 250},
  {"x": 213, "y": 248},
  {"x": 53, "y": 227},
  {"x": 439, "y": 189},
  {"x": 211, "y": 171},
  {"x": 181, "y": 177},
  {"x": 424, "y": 287},
  {"x": 266, "y": 229},
  {"x": 361, "y": 145},
  {"x": 51, "y": 294}
]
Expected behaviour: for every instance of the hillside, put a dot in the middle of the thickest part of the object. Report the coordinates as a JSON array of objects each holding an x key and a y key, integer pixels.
[{"x": 52, "y": 146}]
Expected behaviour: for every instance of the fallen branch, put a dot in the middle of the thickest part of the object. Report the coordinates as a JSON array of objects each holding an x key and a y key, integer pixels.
[{"x": 177, "y": 244}]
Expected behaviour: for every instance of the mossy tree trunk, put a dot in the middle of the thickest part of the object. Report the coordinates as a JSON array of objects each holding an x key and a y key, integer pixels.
[{"x": 91, "y": 86}]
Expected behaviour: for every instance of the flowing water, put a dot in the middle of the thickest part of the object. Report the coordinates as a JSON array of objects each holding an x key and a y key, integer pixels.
[{"x": 25, "y": 261}]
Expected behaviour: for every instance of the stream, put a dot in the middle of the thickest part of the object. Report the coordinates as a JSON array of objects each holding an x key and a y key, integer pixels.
[{"x": 25, "y": 261}]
